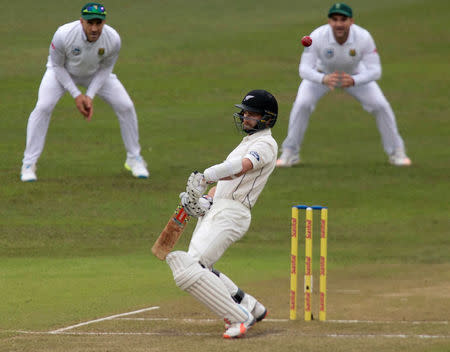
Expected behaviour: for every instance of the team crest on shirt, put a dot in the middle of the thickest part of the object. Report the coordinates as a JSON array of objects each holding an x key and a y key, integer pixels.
[
  {"x": 329, "y": 53},
  {"x": 101, "y": 51},
  {"x": 352, "y": 52},
  {"x": 76, "y": 51},
  {"x": 255, "y": 155}
]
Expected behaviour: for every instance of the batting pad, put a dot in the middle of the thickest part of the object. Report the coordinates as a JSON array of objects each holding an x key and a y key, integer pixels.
[
  {"x": 205, "y": 286},
  {"x": 184, "y": 268}
]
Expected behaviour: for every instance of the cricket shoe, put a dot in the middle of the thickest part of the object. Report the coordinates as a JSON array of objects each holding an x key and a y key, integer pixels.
[
  {"x": 236, "y": 330},
  {"x": 28, "y": 173},
  {"x": 288, "y": 159},
  {"x": 137, "y": 166},
  {"x": 399, "y": 158}
]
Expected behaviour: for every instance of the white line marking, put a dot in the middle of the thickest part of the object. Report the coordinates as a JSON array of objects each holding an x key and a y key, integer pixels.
[
  {"x": 80, "y": 333},
  {"x": 349, "y": 292},
  {"x": 186, "y": 320},
  {"x": 75, "y": 333},
  {"x": 102, "y": 319},
  {"x": 418, "y": 322},
  {"x": 400, "y": 336},
  {"x": 268, "y": 320}
]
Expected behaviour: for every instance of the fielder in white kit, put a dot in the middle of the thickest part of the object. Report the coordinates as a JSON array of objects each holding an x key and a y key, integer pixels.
[
  {"x": 240, "y": 179},
  {"x": 83, "y": 53},
  {"x": 342, "y": 55}
]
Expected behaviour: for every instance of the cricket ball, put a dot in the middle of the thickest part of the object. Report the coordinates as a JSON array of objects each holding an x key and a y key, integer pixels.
[{"x": 306, "y": 41}]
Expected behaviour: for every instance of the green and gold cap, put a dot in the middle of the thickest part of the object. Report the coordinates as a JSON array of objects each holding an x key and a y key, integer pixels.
[
  {"x": 341, "y": 9},
  {"x": 93, "y": 10}
]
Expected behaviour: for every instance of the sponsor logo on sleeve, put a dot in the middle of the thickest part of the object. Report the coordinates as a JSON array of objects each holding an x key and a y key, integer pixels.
[{"x": 255, "y": 155}]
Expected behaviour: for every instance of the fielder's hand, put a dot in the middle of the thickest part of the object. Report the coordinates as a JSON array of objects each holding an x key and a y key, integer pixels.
[
  {"x": 338, "y": 80},
  {"x": 84, "y": 105},
  {"x": 346, "y": 80},
  {"x": 331, "y": 80},
  {"x": 196, "y": 185}
]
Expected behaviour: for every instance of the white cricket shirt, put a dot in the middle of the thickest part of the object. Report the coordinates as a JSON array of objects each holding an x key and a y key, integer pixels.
[
  {"x": 357, "y": 56},
  {"x": 262, "y": 149},
  {"x": 74, "y": 58}
]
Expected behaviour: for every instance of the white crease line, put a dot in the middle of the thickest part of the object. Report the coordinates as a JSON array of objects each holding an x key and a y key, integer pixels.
[
  {"x": 418, "y": 322},
  {"x": 349, "y": 292},
  {"x": 102, "y": 319},
  {"x": 73, "y": 333},
  {"x": 80, "y": 333},
  {"x": 268, "y": 320},
  {"x": 400, "y": 336},
  {"x": 187, "y": 320}
]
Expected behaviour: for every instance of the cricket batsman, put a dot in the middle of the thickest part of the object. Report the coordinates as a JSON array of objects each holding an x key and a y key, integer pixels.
[{"x": 238, "y": 180}]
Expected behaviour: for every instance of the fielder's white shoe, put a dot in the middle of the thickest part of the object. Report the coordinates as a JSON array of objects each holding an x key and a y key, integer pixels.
[
  {"x": 288, "y": 159},
  {"x": 239, "y": 329},
  {"x": 137, "y": 166},
  {"x": 399, "y": 158},
  {"x": 28, "y": 173}
]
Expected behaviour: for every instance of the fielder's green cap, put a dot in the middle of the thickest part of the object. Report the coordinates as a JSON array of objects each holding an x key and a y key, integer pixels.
[
  {"x": 93, "y": 10},
  {"x": 341, "y": 9}
]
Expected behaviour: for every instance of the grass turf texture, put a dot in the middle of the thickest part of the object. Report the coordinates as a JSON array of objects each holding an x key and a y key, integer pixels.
[{"x": 75, "y": 246}]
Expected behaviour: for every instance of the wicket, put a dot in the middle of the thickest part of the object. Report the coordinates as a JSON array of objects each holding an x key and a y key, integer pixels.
[{"x": 308, "y": 285}]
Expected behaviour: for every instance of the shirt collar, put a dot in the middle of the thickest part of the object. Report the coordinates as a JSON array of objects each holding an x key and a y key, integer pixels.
[{"x": 266, "y": 131}]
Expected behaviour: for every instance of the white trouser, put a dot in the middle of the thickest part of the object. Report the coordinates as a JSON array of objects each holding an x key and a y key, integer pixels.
[
  {"x": 50, "y": 91},
  {"x": 369, "y": 95},
  {"x": 225, "y": 223}
]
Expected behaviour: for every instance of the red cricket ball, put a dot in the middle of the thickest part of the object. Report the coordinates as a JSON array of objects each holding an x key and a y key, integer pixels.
[{"x": 306, "y": 41}]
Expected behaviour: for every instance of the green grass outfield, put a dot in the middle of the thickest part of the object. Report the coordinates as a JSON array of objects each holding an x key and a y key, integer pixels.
[{"x": 75, "y": 246}]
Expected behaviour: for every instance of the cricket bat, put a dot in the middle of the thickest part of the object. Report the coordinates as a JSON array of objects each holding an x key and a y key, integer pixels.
[{"x": 171, "y": 233}]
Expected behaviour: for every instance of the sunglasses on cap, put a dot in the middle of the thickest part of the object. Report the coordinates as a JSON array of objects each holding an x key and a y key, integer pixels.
[{"x": 94, "y": 10}]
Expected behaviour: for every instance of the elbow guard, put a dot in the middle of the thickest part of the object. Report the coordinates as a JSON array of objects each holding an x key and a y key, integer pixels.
[{"x": 228, "y": 168}]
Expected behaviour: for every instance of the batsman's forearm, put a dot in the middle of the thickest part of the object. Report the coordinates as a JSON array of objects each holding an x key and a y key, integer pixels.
[{"x": 228, "y": 168}]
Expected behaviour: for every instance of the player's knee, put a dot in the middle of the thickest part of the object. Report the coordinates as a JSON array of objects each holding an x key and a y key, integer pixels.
[
  {"x": 185, "y": 269},
  {"x": 43, "y": 109},
  {"x": 124, "y": 107},
  {"x": 376, "y": 106},
  {"x": 305, "y": 107}
]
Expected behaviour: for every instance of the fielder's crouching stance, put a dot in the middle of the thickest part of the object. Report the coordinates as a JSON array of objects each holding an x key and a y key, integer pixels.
[{"x": 240, "y": 179}]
